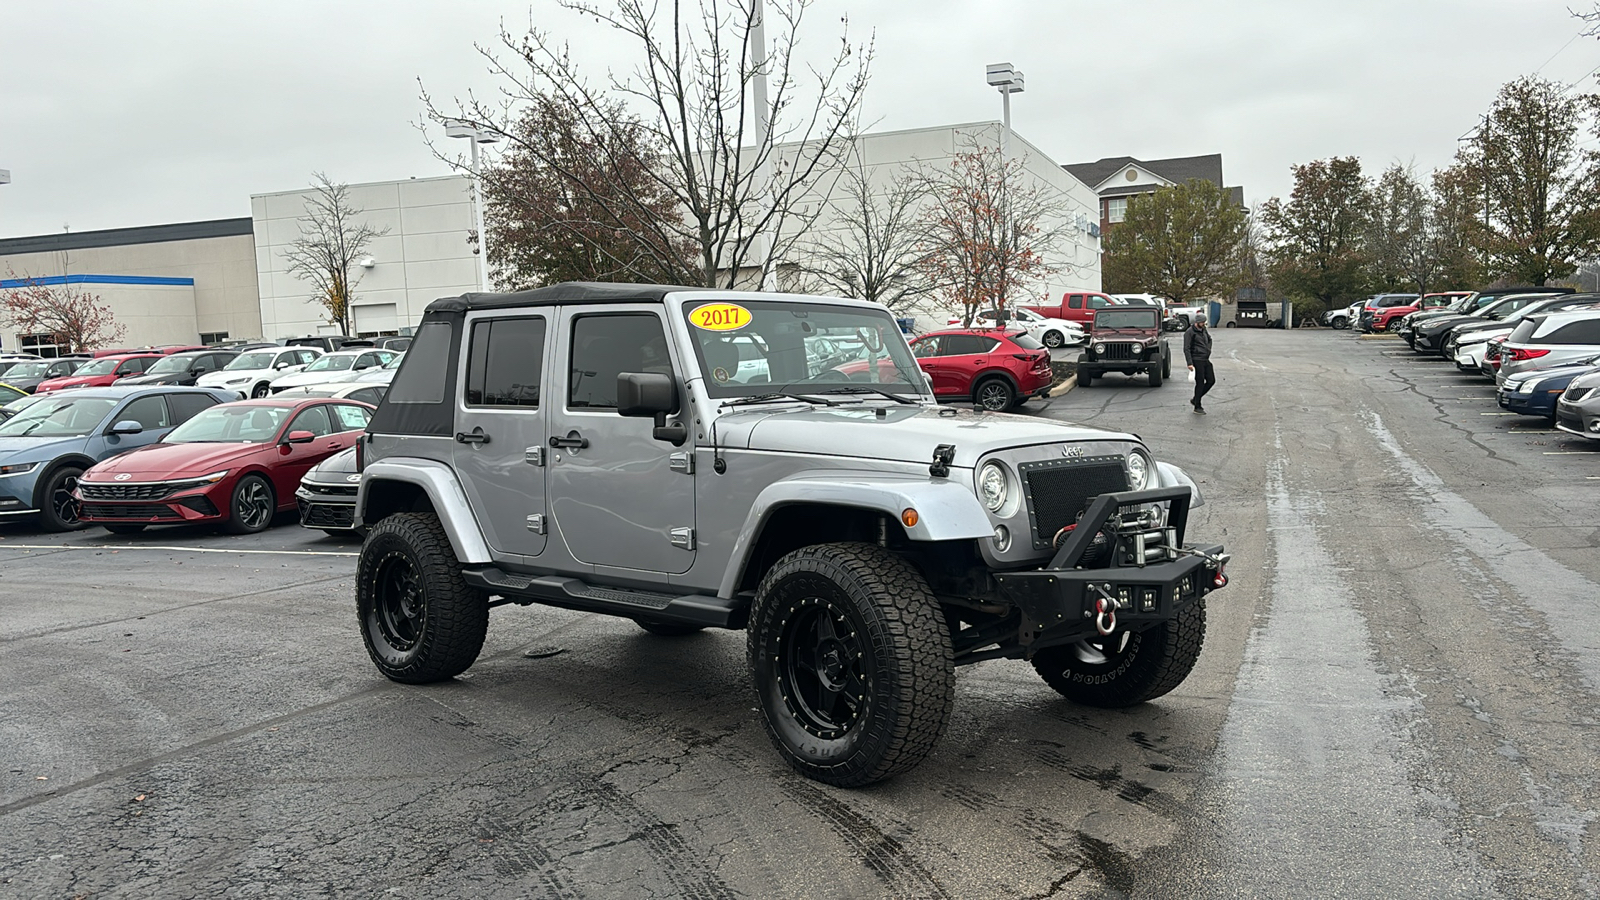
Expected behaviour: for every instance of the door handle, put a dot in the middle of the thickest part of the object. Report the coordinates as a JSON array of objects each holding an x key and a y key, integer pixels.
[
  {"x": 475, "y": 436},
  {"x": 573, "y": 441}
]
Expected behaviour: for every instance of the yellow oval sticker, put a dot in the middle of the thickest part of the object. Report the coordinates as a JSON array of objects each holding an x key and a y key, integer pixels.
[{"x": 720, "y": 317}]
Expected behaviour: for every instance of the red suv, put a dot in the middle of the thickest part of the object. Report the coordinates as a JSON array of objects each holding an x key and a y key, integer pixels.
[
  {"x": 102, "y": 371},
  {"x": 1385, "y": 318},
  {"x": 997, "y": 370}
]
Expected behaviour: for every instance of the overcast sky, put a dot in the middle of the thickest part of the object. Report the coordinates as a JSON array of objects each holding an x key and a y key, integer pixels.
[{"x": 116, "y": 114}]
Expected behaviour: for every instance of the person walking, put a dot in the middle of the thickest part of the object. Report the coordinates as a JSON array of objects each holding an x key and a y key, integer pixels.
[{"x": 1197, "y": 353}]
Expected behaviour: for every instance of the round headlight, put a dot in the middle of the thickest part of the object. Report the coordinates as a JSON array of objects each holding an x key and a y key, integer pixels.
[
  {"x": 992, "y": 486},
  {"x": 1099, "y": 348},
  {"x": 1141, "y": 473}
]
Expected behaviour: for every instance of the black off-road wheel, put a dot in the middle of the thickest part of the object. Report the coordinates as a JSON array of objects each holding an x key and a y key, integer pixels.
[
  {"x": 124, "y": 529},
  {"x": 58, "y": 509},
  {"x": 1085, "y": 377},
  {"x": 669, "y": 629},
  {"x": 1166, "y": 365},
  {"x": 1126, "y": 668},
  {"x": 1155, "y": 375},
  {"x": 419, "y": 618},
  {"x": 851, "y": 661}
]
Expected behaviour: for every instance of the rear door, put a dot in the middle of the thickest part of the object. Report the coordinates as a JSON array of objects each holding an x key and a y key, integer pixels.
[
  {"x": 619, "y": 497},
  {"x": 500, "y": 449}
]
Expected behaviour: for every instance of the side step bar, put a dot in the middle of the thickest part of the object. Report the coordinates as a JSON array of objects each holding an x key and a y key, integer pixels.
[{"x": 572, "y": 593}]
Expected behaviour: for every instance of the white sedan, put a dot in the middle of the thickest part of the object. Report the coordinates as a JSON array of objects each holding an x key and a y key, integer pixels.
[
  {"x": 1050, "y": 332},
  {"x": 340, "y": 365}
]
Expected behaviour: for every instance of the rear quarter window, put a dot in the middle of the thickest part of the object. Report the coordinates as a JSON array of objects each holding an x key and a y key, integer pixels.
[{"x": 1585, "y": 331}]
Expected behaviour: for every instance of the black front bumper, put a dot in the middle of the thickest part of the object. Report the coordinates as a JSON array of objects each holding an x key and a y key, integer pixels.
[{"x": 1141, "y": 576}]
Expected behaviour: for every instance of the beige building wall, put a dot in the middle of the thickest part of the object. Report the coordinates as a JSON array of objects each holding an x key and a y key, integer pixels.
[
  {"x": 424, "y": 255},
  {"x": 222, "y": 297}
]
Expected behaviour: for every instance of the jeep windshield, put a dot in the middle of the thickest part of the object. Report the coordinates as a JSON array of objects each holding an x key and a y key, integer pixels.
[
  {"x": 789, "y": 349},
  {"x": 1125, "y": 318}
]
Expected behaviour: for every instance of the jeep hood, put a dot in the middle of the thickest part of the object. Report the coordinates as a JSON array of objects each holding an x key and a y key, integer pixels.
[{"x": 902, "y": 433}]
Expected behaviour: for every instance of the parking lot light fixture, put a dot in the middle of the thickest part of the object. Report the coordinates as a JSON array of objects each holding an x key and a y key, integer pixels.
[{"x": 460, "y": 128}]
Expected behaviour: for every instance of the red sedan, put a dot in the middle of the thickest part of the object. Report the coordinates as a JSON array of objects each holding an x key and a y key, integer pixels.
[
  {"x": 997, "y": 370},
  {"x": 236, "y": 463},
  {"x": 101, "y": 372}
]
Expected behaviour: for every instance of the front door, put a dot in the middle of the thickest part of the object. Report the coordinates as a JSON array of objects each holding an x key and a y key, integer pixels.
[
  {"x": 620, "y": 498},
  {"x": 961, "y": 357},
  {"x": 500, "y": 451}
]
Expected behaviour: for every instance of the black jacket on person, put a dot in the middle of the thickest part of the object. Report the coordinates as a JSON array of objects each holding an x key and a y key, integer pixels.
[{"x": 1196, "y": 345}]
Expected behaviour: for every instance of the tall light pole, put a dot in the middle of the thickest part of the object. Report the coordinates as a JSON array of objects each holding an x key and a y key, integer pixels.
[
  {"x": 1005, "y": 78},
  {"x": 763, "y": 173},
  {"x": 459, "y": 128}
]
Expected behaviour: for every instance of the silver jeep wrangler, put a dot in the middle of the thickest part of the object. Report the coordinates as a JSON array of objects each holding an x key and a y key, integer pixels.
[{"x": 692, "y": 459}]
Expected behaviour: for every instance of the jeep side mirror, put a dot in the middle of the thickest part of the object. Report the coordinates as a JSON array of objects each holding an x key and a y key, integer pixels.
[
  {"x": 127, "y": 426},
  {"x": 300, "y": 437},
  {"x": 642, "y": 394}
]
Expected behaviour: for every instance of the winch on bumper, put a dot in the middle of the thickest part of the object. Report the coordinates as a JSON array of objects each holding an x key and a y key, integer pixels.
[{"x": 1142, "y": 573}]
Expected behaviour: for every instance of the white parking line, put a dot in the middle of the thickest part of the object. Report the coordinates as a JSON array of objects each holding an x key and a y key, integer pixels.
[
  {"x": 4, "y": 545},
  {"x": 1569, "y": 453},
  {"x": 1497, "y": 414}
]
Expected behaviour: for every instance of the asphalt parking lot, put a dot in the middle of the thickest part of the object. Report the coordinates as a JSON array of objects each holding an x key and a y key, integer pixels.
[{"x": 1397, "y": 698}]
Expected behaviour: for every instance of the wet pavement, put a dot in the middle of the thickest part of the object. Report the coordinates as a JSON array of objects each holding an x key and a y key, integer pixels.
[{"x": 1397, "y": 698}]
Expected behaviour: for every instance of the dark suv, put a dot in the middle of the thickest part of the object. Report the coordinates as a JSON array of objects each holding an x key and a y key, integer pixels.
[{"x": 1126, "y": 340}]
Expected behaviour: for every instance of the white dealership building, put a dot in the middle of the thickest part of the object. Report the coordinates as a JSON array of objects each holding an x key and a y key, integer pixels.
[{"x": 207, "y": 281}]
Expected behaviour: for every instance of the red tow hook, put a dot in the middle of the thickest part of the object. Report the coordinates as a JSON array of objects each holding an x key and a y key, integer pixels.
[{"x": 1220, "y": 580}]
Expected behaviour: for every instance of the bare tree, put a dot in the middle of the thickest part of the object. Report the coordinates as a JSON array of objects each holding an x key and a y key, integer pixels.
[
  {"x": 873, "y": 248},
  {"x": 56, "y": 306},
  {"x": 986, "y": 232},
  {"x": 701, "y": 133},
  {"x": 332, "y": 238},
  {"x": 1405, "y": 238}
]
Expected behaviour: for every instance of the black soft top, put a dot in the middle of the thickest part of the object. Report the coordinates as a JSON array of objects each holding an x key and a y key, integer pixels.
[{"x": 568, "y": 293}]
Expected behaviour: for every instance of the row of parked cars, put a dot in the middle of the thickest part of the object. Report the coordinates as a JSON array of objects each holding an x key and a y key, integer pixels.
[
  {"x": 1540, "y": 345},
  {"x": 127, "y": 456}
]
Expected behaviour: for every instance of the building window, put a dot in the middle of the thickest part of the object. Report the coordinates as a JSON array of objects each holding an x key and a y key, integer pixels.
[
  {"x": 45, "y": 345},
  {"x": 1116, "y": 209},
  {"x": 213, "y": 337}
]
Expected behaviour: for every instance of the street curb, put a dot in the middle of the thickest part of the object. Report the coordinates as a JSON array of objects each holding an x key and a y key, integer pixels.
[{"x": 1065, "y": 387}]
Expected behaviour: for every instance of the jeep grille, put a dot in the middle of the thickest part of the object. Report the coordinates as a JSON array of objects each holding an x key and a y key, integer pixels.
[
  {"x": 1058, "y": 490},
  {"x": 1120, "y": 351}
]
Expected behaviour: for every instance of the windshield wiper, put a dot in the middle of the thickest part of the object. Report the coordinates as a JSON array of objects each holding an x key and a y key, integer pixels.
[
  {"x": 858, "y": 389},
  {"x": 778, "y": 395}
]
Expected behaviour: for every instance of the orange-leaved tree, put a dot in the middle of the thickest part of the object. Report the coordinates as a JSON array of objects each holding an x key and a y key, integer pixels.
[
  {"x": 986, "y": 231},
  {"x": 56, "y": 306}
]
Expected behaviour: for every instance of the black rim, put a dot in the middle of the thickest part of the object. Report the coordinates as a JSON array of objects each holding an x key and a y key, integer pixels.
[
  {"x": 255, "y": 504},
  {"x": 62, "y": 504},
  {"x": 994, "y": 396},
  {"x": 398, "y": 602},
  {"x": 823, "y": 668}
]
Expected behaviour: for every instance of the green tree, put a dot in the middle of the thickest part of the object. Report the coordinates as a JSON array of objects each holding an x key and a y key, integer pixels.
[
  {"x": 1457, "y": 221},
  {"x": 1317, "y": 239},
  {"x": 1543, "y": 211},
  {"x": 1185, "y": 242}
]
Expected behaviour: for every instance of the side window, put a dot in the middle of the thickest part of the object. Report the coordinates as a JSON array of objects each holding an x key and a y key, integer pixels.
[
  {"x": 967, "y": 344},
  {"x": 1097, "y": 302},
  {"x": 366, "y": 360},
  {"x": 132, "y": 366},
  {"x": 185, "y": 406},
  {"x": 605, "y": 346},
  {"x": 373, "y": 395},
  {"x": 1585, "y": 331},
  {"x": 927, "y": 347},
  {"x": 423, "y": 375},
  {"x": 303, "y": 357},
  {"x": 1075, "y": 301},
  {"x": 314, "y": 420},
  {"x": 505, "y": 362},
  {"x": 149, "y": 412},
  {"x": 349, "y": 418}
]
